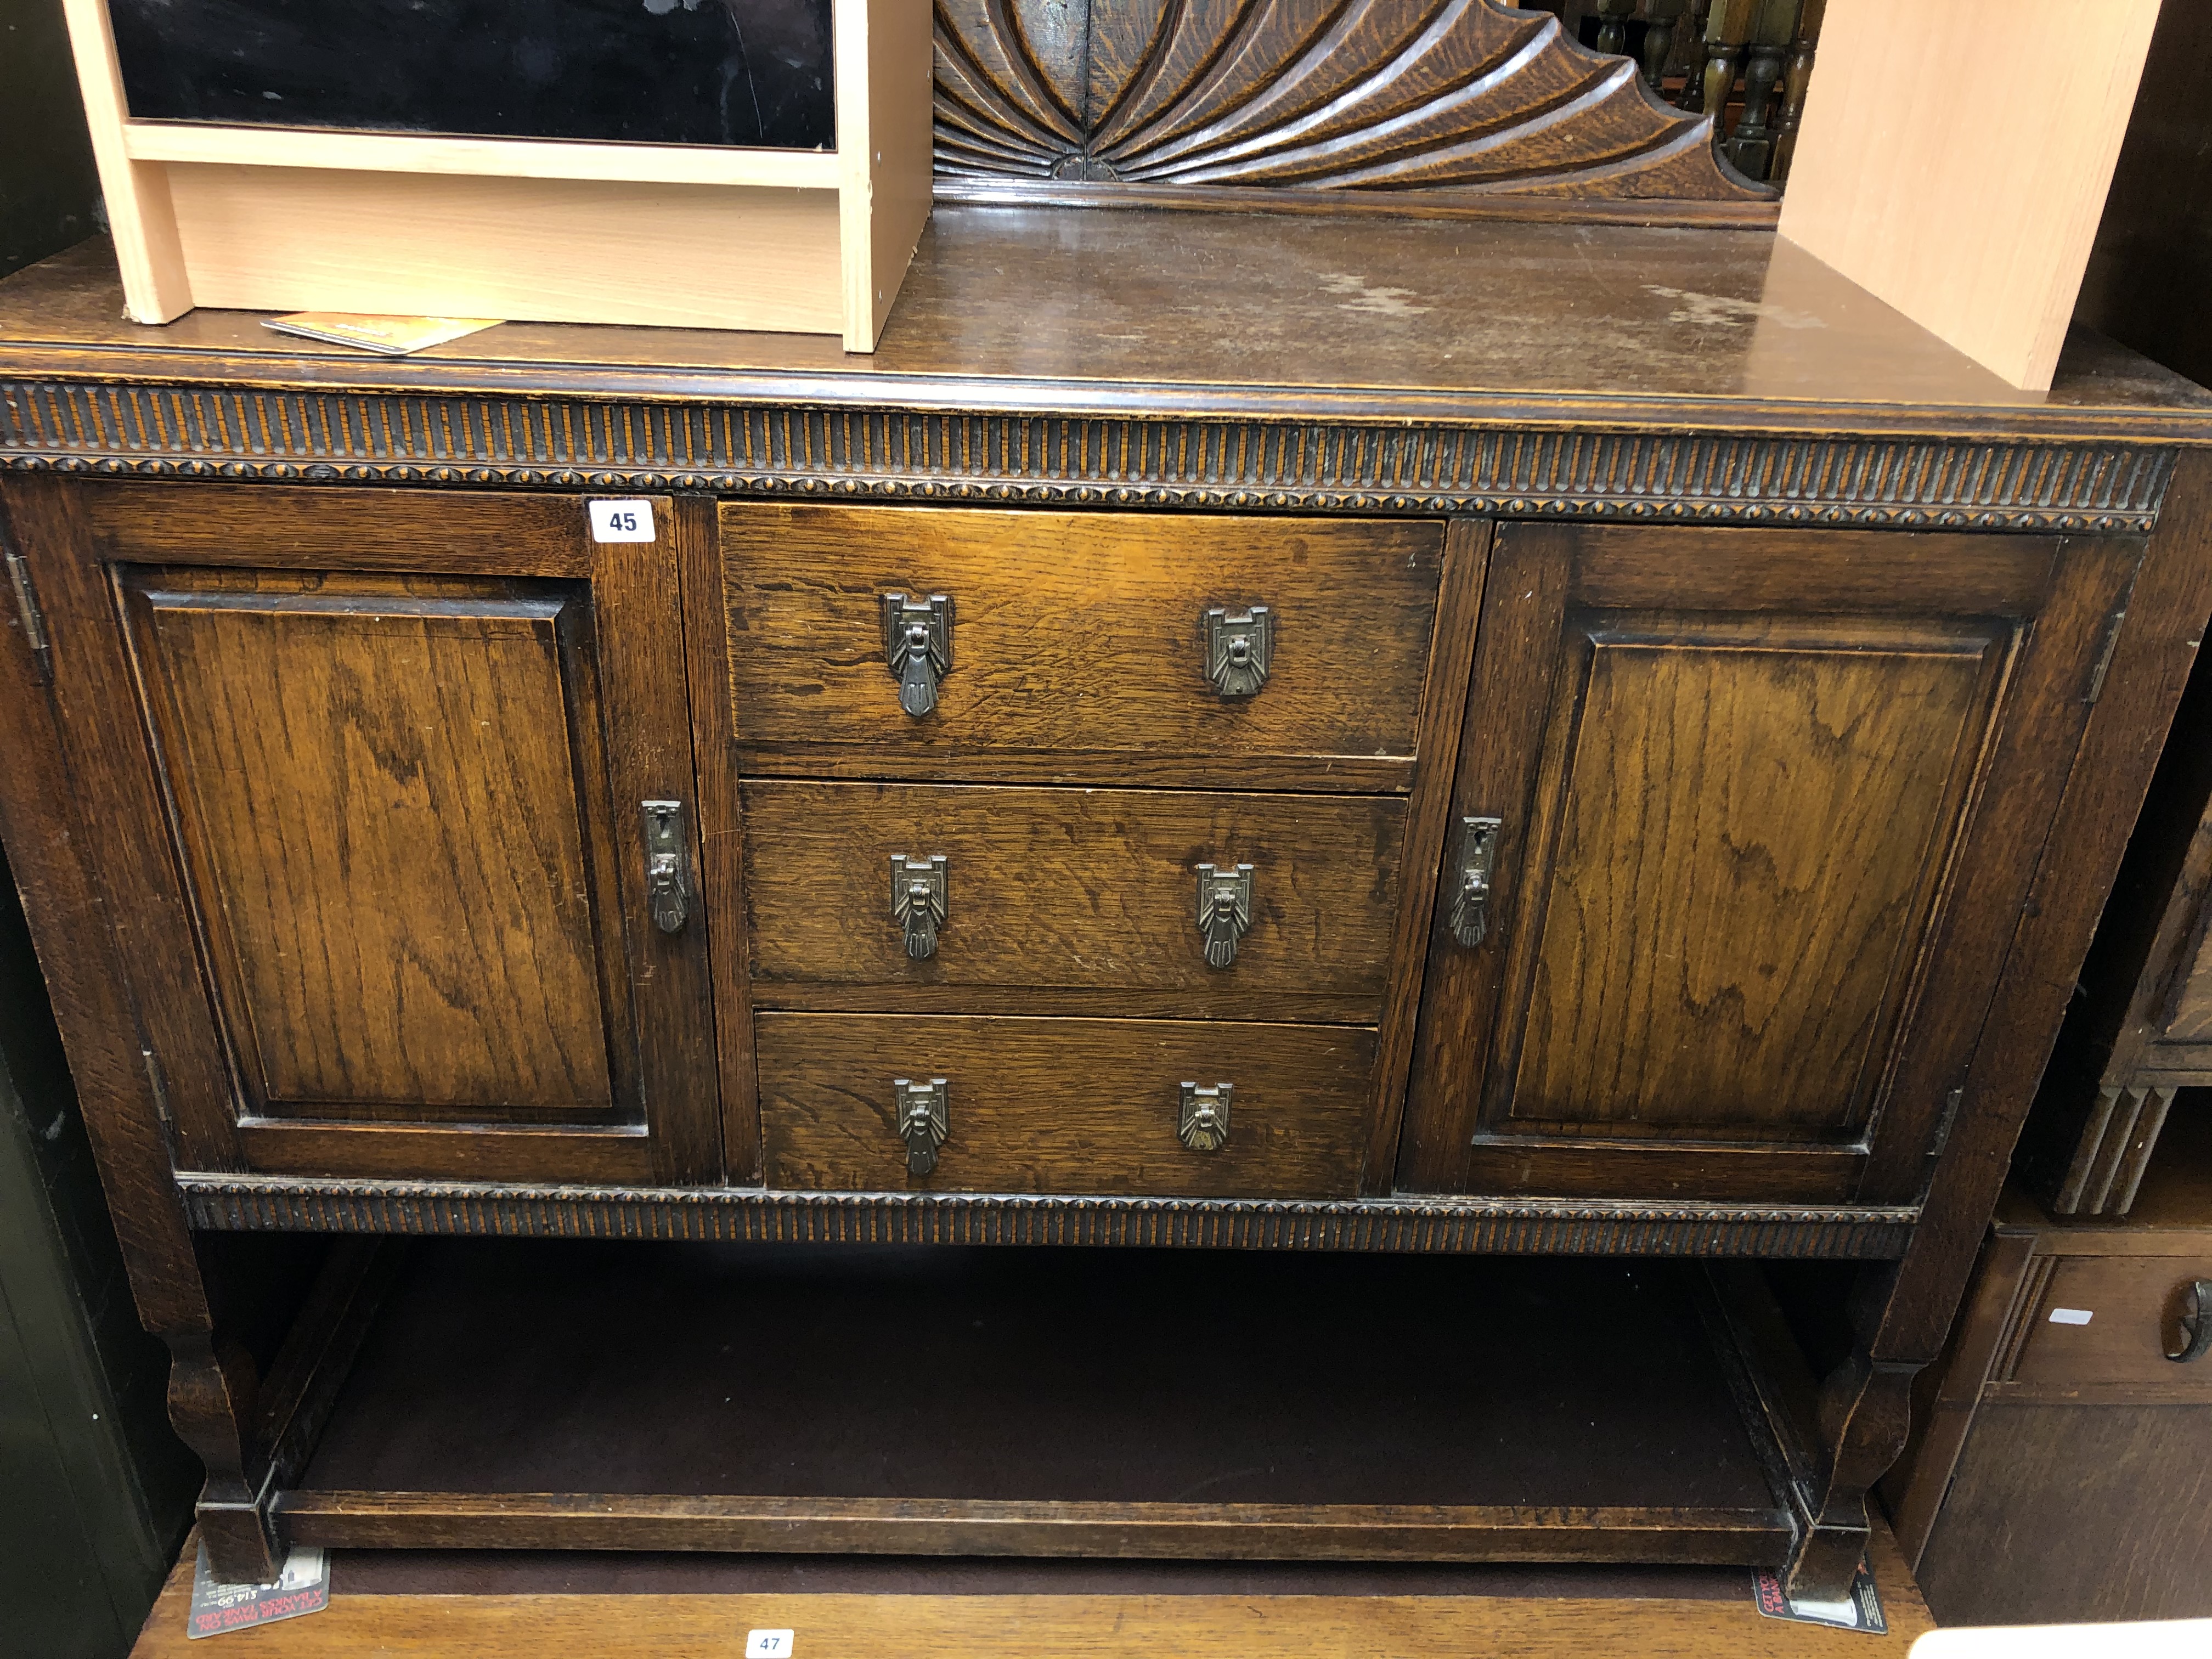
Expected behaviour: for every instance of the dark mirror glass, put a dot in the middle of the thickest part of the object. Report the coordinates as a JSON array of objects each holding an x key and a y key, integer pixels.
[{"x": 751, "y": 72}]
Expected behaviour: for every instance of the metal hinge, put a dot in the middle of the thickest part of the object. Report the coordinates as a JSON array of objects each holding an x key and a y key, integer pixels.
[
  {"x": 26, "y": 606},
  {"x": 1951, "y": 1102},
  {"x": 2105, "y": 657},
  {"x": 159, "y": 1087}
]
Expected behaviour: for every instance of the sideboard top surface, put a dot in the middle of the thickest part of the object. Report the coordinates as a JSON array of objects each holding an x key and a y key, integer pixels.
[{"x": 1166, "y": 315}]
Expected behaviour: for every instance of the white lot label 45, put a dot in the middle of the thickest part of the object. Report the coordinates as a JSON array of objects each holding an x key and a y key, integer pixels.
[{"x": 621, "y": 521}]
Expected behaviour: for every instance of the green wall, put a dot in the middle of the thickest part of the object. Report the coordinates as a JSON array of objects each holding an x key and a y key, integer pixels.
[
  {"x": 95, "y": 1491},
  {"x": 98, "y": 1489}
]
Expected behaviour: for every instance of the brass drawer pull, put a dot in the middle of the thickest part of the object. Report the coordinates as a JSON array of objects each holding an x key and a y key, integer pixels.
[
  {"x": 2195, "y": 1323},
  {"x": 1470, "y": 910},
  {"x": 1225, "y": 910},
  {"x": 1203, "y": 1124},
  {"x": 918, "y": 648},
  {"x": 919, "y": 901},
  {"x": 925, "y": 1119},
  {"x": 1239, "y": 644},
  {"x": 667, "y": 868}
]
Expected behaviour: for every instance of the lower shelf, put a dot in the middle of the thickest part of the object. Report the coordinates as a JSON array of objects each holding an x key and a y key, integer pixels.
[{"x": 1038, "y": 1402}]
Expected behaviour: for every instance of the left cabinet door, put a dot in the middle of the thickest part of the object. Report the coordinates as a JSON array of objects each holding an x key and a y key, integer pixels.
[{"x": 368, "y": 774}]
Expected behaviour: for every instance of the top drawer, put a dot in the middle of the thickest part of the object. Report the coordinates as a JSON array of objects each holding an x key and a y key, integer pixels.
[
  {"x": 1079, "y": 644},
  {"x": 2103, "y": 1327}
]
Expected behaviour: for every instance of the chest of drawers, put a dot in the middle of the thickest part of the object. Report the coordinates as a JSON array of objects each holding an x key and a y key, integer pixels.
[
  {"x": 1026, "y": 795},
  {"x": 2059, "y": 1471}
]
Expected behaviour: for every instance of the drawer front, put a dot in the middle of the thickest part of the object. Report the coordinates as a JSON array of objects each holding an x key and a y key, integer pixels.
[
  {"x": 1088, "y": 889},
  {"x": 1063, "y": 1105},
  {"x": 1078, "y": 637},
  {"x": 2135, "y": 1305}
]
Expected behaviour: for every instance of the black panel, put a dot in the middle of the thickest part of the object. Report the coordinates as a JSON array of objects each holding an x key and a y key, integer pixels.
[{"x": 753, "y": 72}]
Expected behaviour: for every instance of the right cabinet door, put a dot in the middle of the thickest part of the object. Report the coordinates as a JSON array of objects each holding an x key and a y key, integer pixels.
[{"x": 1742, "y": 824}]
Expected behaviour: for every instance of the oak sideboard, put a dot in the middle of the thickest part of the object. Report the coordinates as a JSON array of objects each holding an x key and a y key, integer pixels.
[{"x": 1454, "y": 791}]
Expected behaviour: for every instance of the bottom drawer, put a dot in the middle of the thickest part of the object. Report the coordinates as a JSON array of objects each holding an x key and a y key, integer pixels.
[{"x": 1063, "y": 1105}]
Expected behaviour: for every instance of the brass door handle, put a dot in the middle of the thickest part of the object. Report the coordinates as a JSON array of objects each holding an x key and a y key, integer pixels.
[
  {"x": 1470, "y": 907},
  {"x": 2195, "y": 1322},
  {"x": 1203, "y": 1123},
  {"x": 925, "y": 1120},
  {"x": 921, "y": 901},
  {"x": 1239, "y": 645},
  {"x": 1225, "y": 909},
  {"x": 918, "y": 648},
  {"x": 667, "y": 865}
]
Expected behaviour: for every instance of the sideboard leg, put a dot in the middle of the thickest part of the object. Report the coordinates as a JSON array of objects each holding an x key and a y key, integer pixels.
[
  {"x": 240, "y": 1539},
  {"x": 212, "y": 1392},
  {"x": 1865, "y": 1411}
]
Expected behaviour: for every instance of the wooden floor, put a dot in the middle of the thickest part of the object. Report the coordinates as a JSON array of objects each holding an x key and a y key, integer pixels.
[{"x": 1024, "y": 1626}]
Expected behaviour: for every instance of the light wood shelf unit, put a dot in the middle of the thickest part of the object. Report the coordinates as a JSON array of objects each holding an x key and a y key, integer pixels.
[
  {"x": 1955, "y": 159},
  {"x": 302, "y": 219}
]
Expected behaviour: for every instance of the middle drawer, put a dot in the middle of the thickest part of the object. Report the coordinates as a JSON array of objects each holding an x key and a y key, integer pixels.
[{"x": 1245, "y": 905}]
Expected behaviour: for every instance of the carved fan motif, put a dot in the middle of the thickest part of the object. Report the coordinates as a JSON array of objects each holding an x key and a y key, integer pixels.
[{"x": 1464, "y": 95}]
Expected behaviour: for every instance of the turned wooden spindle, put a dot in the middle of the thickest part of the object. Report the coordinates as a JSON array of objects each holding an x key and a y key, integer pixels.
[
  {"x": 1795, "y": 79},
  {"x": 1613, "y": 27},
  {"x": 1728, "y": 37},
  {"x": 1752, "y": 147},
  {"x": 1660, "y": 17},
  {"x": 1692, "y": 95}
]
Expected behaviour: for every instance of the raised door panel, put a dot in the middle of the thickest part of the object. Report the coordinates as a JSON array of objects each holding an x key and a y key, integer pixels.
[
  {"x": 377, "y": 825},
  {"x": 1748, "y": 822},
  {"x": 1748, "y": 881},
  {"x": 394, "y": 842}
]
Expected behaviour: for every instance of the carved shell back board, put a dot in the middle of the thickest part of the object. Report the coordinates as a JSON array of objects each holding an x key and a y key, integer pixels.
[{"x": 1425, "y": 106}]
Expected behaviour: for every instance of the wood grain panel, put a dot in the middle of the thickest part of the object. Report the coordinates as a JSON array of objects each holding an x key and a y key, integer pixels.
[
  {"x": 457, "y": 532},
  {"x": 1444, "y": 702},
  {"x": 616, "y": 1154},
  {"x": 1739, "y": 934},
  {"x": 1076, "y": 634},
  {"x": 1186, "y": 360},
  {"x": 380, "y": 788},
  {"x": 2063, "y": 1513},
  {"x": 1063, "y": 1105},
  {"x": 1744, "y": 854},
  {"x": 1066, "y": 888},
  {"x": 1681, "y": 1535}
]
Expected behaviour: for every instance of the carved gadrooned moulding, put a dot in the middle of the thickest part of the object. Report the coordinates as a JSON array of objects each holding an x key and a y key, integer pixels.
[
  {"x": 1468, "y": 99},
  {"x": 307, "y": 1204},
  {"x": 1251, "y": 465}
]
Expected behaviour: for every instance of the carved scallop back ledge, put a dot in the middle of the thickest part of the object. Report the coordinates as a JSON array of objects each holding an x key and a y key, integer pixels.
[{"x": 1445, "y": 106}]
